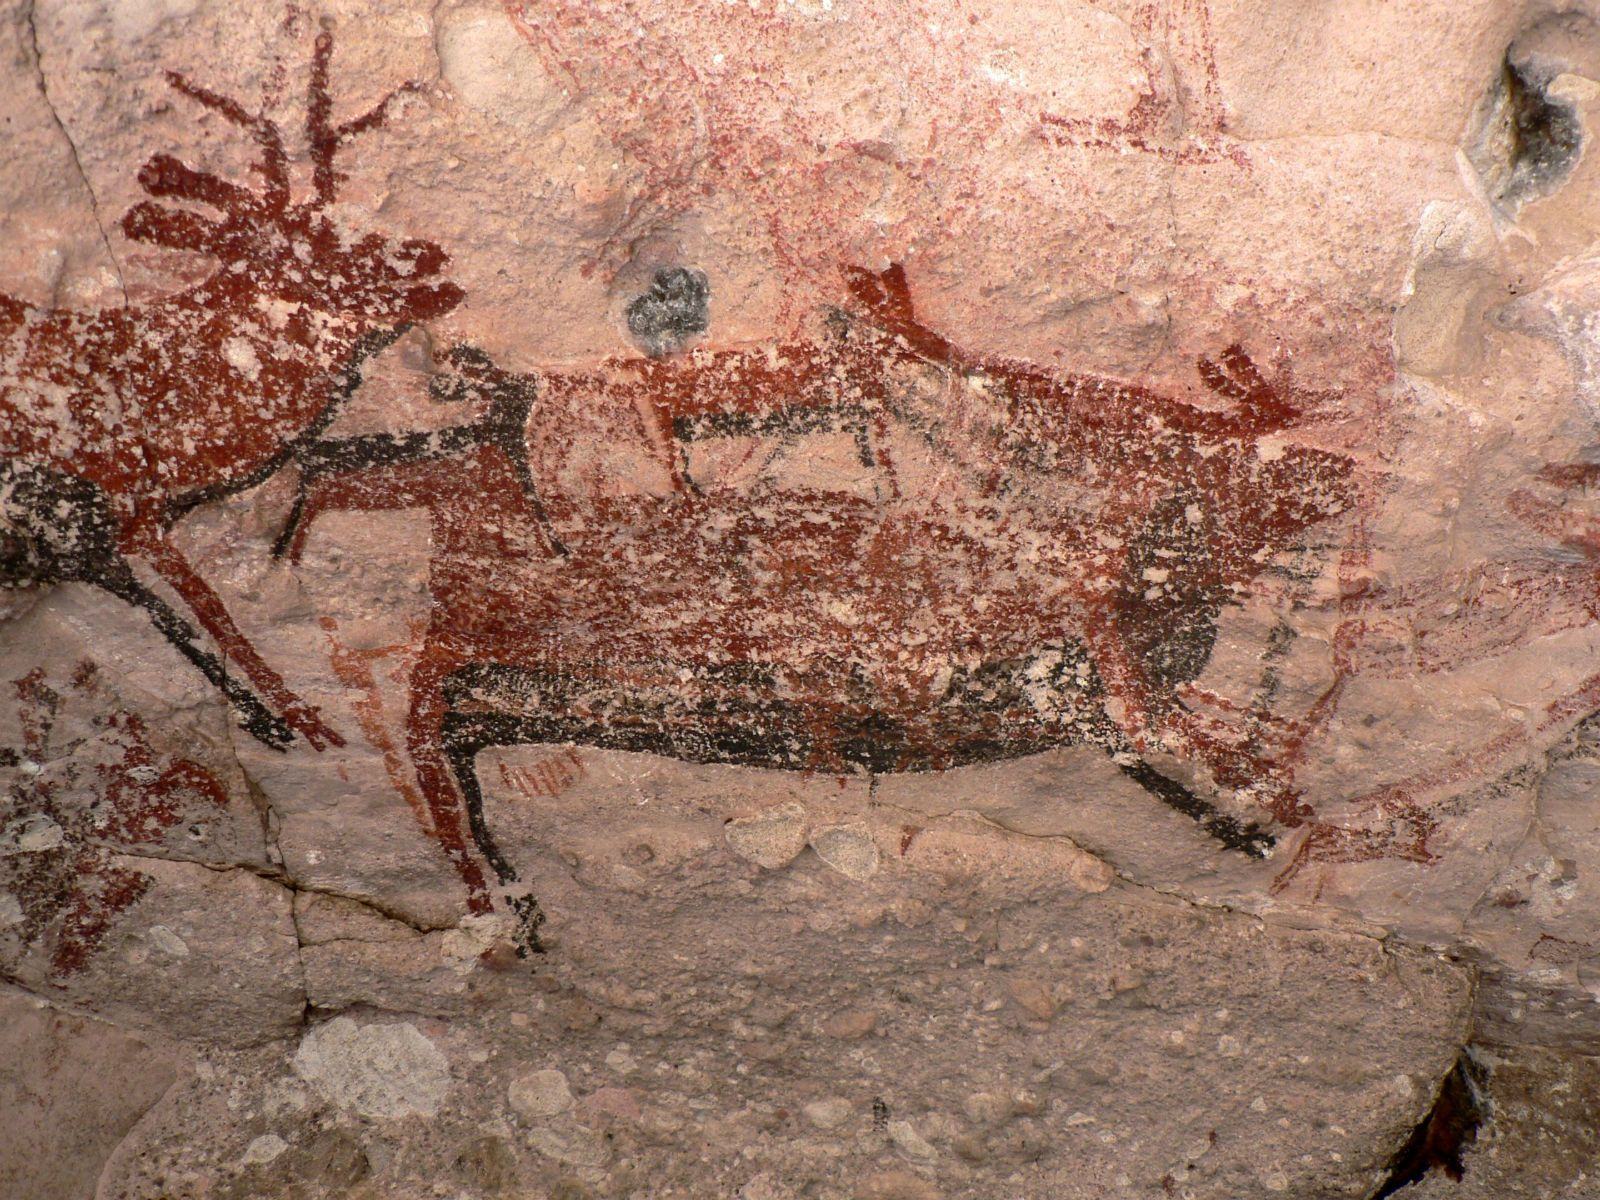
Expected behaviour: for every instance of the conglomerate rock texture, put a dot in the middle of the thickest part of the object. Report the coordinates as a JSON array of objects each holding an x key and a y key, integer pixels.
[{"x": 799, "y": 599}]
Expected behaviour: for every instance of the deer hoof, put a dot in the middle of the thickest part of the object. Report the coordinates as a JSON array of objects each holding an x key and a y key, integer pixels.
[
  {"x": 308, "y": 722},
  {"x": 529, "y": 918},
  {"x": 270, "y": 731}
]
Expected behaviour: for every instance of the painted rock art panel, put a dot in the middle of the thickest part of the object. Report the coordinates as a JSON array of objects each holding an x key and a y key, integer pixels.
[{"x": 519, "y": 518}]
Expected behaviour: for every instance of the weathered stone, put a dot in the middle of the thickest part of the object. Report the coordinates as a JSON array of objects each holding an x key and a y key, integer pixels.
[
  {"x": 540, "y": 1094},
  {"x": 381, "y": 1071},
  {"x": 848, "y": 849},
  {"x": 909, "y": 1142},
  {"x": 484, "y": 486},
  {"x": 770, "y": 839},
  {"x": 828, "y": 1114}
]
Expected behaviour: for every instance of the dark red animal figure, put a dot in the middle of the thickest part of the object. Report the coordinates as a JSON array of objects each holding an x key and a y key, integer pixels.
[
  {"x": 73, "y": 885},
  {"x": 1060, "y": 584},
  {"x": 115, "y": 423}
]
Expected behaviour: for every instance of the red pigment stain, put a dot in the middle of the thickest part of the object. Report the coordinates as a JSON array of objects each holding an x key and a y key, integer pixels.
[{"x": 72, "y": 892}]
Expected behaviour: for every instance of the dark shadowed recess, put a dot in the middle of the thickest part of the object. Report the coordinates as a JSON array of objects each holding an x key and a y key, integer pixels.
[
  {"x": 1438, "y": 1141},
  {"x": 1532, "y": 135}
]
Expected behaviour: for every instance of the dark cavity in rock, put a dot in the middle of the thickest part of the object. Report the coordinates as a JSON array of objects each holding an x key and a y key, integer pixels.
[
  {"x": 1532, "y": 139},
  {"x": 675, "y": 309},
  {"x": 1437, "y": 1143}
]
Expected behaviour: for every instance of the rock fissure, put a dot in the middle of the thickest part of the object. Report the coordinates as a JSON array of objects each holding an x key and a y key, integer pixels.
[{"x": 29, "y": 22}]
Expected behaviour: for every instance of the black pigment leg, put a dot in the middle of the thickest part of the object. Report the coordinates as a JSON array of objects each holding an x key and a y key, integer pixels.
[
  {"x": 464, "y": 736},
  {"x": 117, "y": 578},
  {"x": 1247, "y": 839}
]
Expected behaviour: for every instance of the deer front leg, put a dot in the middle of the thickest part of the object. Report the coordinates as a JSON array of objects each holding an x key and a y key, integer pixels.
[
  {"x": 259, "y": 720},
  {"x": 144, "y": 538},
  {"x": 443, "y": 746}
]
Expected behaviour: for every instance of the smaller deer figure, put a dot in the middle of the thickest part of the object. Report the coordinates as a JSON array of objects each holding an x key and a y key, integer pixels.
[
  {"x": 770, "y": 629},
  {"x": 114, "y": 424},
  {"x": 348, "y": 473}
]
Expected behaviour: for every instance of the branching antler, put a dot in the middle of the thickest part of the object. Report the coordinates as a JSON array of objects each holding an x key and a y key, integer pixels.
[
  {"x": 274, "y": 164},
  {"x": 166, "y": 177},
  {"x": 324, "y": 136}
]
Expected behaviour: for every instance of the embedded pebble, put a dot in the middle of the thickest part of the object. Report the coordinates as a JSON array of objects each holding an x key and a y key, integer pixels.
[
  {"x": 849, "y": 1023},
  {"x": 541, "y": 1094},
  {"x": 379, "y": 1071},
  {"x": 575, "y": 1147},
  {"x": 828, "y": 1114},
  {"x": 896, "y": 1185},
  {"x": 986, "y": 1108},
  {"x": 770, "y": 839},
  {"x": 848, "y": 849},
  {"x": 1033, "y": 997},
  {"x": 264, "y": 1149},
  {"x": 909, "y": 1142}
]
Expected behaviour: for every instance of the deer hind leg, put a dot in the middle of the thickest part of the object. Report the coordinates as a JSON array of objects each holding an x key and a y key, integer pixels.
[
  {"x": 147, "y": 541},
  {"x": 323, "y": 493}
]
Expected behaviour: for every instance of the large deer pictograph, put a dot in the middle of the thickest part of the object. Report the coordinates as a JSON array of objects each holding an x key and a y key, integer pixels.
[
  {"x": 1065, "y": 589},
  {"x": 115, "y": 423}
]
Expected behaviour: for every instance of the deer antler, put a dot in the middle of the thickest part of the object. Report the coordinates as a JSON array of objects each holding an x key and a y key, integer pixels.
[
  {"x": 166, "y": 177},
  {"x": 274, "y": 165},
  {"x": 324, "y": 136}
]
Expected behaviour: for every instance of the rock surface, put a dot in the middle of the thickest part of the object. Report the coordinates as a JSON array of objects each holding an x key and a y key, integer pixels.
[{"x": 801, "y": 599}]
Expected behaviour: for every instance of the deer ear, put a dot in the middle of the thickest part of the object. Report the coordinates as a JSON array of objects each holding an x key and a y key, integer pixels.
[
  {"x": 171, "y": 227},
  {"x": 164, "y": 175}
]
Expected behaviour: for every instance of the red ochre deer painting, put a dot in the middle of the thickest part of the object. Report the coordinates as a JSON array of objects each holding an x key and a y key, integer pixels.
[
  {"x": 115, "y": 423},
  {"x": 72, "y": 809},
  {"x": 1059, "y": 582}
]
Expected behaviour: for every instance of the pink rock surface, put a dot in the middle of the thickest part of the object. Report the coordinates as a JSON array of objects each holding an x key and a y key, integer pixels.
[{"x": 634, "y": 535}]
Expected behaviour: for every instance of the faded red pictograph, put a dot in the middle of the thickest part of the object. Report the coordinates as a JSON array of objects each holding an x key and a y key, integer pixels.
[
  {"x": 1492, "y": 607},
  {"x": 72, "y": 809},
  {"x": 115, "y": 423},
  {"x": 704, "y": 102},
  {"x": 547, "y": 777},
  {"x": 1042, "y": 561},
  {"x": 1179, "y": 115},
  {"x": 369, "y": 673}
]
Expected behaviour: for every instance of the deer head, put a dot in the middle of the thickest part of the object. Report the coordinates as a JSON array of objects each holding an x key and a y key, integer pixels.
[{"x": 293, "y": 251}]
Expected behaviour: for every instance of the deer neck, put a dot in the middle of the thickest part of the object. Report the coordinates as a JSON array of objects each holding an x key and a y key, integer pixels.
[
  {"x": 253, "y": 373},
  {"x": 274, "y": 327}
]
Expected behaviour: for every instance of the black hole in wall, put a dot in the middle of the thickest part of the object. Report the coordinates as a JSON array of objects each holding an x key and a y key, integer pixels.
[
  {"x": 1545, "y": 135},
  {"x": 1438, "y": 1141},
  {"x": 675, "y": 309}
]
